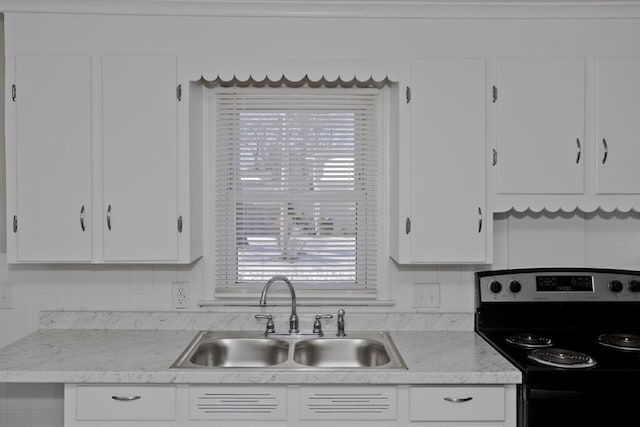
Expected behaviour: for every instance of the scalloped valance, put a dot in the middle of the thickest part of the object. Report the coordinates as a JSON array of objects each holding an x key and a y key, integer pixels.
[
  {"x": 330, "y": 72},
  {"x": 305, "y": 81},
  {"x": 591, "y": 206}
]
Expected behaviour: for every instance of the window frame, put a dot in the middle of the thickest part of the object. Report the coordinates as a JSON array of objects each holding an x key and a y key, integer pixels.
[{"x": 312, "y": 294}]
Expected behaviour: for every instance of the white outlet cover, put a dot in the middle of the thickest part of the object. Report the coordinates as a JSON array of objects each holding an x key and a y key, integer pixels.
[
  {"x": 180, "y": 295},
  {"x": 426, "y": 295}
]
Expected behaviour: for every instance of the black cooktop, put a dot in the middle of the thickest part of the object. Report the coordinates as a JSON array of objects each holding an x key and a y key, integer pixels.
[
  {"x": 572, "y": 308},
  {"x": 613, "y": 366}
]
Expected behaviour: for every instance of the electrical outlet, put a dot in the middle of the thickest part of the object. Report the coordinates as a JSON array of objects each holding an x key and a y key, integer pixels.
[
  {"x": 180, "y": 295},
  {"x": 6, "y": 295}
]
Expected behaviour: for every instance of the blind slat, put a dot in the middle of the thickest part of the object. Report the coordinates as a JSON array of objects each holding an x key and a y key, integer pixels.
[{"x": 296, "y": 186}]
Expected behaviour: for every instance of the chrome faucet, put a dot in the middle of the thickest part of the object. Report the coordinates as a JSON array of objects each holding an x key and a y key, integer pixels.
[
  {"x": 293, "y": 319},
  {"x": 341, "y": 324}
]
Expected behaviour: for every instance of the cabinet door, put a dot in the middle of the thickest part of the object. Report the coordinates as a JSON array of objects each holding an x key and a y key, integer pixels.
[
  {"x": 618, "y": 126},
  {"x": 540, "y": 126},
  {"x": 140, "y": 158},
  {"x": 448, "y": 152},
  {"x": 53, "y": 159}
]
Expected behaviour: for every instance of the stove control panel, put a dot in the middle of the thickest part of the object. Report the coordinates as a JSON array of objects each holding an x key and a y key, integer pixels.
[{"x": 558, "y": 284}]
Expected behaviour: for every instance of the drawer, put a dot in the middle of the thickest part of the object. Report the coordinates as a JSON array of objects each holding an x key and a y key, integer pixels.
[
  {"x": 125, "y": 403},
  {"x": 457, "y": 403}
]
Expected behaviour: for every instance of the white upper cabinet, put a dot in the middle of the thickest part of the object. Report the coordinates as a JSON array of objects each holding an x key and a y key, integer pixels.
[
  {"x": 540, "y": 125},
  {"x": 618, "y": 126},
  {"x": 140, "y": 165},
  {"x": 448, "y": 220},
  {"x": 49, "y": 160},
  {"x": 99, "y": 169}
]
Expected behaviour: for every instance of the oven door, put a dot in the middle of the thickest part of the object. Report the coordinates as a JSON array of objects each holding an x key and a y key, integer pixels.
[{"x": 559, "y": 407}]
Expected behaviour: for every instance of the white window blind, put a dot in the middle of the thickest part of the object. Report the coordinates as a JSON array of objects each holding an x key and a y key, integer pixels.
[{"x": 296, "y": 184}]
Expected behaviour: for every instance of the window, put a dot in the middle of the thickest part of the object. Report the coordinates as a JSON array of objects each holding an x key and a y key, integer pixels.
[{"x": 296, "y": 186}]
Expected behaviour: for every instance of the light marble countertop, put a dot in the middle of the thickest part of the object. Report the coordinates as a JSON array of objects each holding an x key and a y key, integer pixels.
[{"x": 145, "y": 356}]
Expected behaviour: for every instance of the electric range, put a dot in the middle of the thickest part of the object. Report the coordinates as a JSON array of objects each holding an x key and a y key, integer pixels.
[{"x": 574, "y": 333}]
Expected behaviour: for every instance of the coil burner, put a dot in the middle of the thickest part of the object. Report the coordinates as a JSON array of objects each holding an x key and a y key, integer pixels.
[
  {"x": 624, "y": 342},
  {"x": 561, "y": 358},
  {"x": 529, "y": 341}
]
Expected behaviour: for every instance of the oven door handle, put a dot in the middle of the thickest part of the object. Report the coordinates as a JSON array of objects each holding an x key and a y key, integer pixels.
[
  {"x": 588, "y": 395},
  {"x": 555, "y": 394}
]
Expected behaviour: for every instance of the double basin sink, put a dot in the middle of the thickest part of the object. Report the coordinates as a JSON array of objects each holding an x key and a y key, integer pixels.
[{"x": 210, "y": 350}]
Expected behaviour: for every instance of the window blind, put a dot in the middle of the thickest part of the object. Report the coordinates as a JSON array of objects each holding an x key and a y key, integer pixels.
[{"x": 296, "y": 182}]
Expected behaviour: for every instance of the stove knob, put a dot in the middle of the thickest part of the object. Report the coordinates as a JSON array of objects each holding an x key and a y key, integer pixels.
[
  {"x": 515, "y": 287},
  {"x": 634, "y": 286},
  {"x": 495, "y": 287},
  {"x": 615, "y": 286}
]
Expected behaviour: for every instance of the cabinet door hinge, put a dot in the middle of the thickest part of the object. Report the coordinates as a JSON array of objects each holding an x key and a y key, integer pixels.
[
  {"x": 15, "y": 223},
  {"x": 408, "y": 94},
  {"x": 407, "y": 226},
  {"x": 13, "y": 93},
  {"x": 495, "y": 94},
  {"x": 179, "y": 92},
  {"x": 494, "y": 154}
]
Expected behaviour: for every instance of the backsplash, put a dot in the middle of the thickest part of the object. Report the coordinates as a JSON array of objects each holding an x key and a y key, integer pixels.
[{"x": 242, "y": 321}]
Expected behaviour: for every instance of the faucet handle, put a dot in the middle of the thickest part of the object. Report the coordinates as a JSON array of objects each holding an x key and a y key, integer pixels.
[
  {"x": 317, "y": 326},
  {"x": 341, "y": 333},
  {"x": 271, "y": 329}
]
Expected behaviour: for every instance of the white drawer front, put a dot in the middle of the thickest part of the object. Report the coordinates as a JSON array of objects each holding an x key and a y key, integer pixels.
[
  {"x": 126, "y": 403},
  {"x": 348, "y": 403},
  {"x": 457, "y": 404},
  {"x": 237, "y": 403}
]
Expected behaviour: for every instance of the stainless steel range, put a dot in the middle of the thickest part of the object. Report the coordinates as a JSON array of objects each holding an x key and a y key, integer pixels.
[{"x": 575, "y": 336}]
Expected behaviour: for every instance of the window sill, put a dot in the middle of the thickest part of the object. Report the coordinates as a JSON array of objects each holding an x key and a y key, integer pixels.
[{"x": 286, "y": 302}]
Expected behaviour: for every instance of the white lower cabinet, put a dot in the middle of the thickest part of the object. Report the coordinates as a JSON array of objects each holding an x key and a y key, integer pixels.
[{"x": 289, "y": 405}]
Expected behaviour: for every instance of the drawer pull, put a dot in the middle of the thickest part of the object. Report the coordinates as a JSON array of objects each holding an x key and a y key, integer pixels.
[
  {"x": 458, "y": 399},
  {"x": 126, "y": 398}
]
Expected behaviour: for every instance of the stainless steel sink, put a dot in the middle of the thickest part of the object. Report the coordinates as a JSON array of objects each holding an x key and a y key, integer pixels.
[
  {"x": 340, "y": 353},
  {"x": 211, "y": 350},
  {"x": 207, "y": 350}
]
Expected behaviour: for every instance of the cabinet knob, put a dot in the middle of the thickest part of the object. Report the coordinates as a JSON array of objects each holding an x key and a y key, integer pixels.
[
  {"x": 579, "y": 150},
  {"x": 606, "y": 151}
]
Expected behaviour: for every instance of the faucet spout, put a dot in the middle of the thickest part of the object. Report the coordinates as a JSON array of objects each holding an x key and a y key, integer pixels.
[{"x": 293, "y": 319}]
